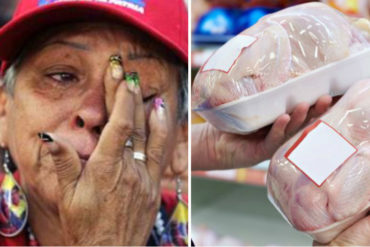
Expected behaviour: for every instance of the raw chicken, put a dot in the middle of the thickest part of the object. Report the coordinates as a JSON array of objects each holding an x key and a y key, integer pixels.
[
  {"x": 344, "y": 197},
  {"x": 288, "y": 43}
]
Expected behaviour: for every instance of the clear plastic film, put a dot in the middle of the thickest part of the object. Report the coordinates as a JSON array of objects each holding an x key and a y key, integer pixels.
[
  {"x": 324, "y": 211},
  {"x": 287, "y": 44}
]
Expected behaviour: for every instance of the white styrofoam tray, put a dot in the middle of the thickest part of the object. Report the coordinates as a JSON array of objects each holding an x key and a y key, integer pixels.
[{"x": 251, "y": 113}]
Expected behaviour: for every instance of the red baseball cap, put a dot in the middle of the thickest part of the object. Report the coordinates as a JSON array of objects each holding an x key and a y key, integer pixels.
[{"x": 165, "y": 20}]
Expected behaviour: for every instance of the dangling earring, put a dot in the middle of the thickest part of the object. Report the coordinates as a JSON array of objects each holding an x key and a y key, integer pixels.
[
  {"x": 178, "y": 224},
  {"x": 13, "y": 202}
]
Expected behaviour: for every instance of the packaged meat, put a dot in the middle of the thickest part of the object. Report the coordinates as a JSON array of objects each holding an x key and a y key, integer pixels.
[
  {"x": 342, "y": 197},
  {"x": 280, "y": 47}
]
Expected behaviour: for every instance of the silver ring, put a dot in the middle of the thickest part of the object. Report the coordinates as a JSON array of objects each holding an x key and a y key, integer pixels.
[
  {"x": 139, "y": 156},
  {"x": 129, "y": 143}
]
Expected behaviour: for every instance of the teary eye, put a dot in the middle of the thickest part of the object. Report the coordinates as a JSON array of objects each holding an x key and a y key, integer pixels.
[{"x": 63, "y": 77}]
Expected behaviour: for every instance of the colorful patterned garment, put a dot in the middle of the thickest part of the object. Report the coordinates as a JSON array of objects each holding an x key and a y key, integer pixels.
[{"x": 170, "y": 229}]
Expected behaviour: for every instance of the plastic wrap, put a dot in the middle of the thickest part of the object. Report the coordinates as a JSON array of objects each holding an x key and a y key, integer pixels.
[
  {"x": 287, "y": 44},
  {"x": 344, "y": 197}
]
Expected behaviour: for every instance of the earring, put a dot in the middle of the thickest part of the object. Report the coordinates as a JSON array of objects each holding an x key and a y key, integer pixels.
[
  {"x": 13, "y": 202},
  {"x": 178, "y": 223}
]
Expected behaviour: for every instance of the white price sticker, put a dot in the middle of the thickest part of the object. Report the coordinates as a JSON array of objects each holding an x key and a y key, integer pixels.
[
  {"x": 225, "y": 57},
  {"x": 319, "y": 152}
]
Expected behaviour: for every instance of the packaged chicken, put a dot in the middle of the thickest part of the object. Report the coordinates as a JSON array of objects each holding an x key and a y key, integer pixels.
[
  {"x": 267, "y": 69},
  {"x": 320, "y": 179}
]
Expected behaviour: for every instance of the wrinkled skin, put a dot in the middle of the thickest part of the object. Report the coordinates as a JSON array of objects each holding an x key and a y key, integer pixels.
[
  {"x": 345, "y": 195},
  {"x": 85, "y": 188}
]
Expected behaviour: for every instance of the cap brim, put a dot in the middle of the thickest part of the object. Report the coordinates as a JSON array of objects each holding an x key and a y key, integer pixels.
[{"x": 14, "y": 34}]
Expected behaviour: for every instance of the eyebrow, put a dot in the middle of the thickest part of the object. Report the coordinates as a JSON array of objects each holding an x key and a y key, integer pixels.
[{"x": 75, "y": 45}]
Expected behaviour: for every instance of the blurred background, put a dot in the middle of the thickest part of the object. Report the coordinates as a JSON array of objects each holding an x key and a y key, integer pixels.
[
  {"x": 6, "y": 10},
  {"x": 231, "y": 207}
]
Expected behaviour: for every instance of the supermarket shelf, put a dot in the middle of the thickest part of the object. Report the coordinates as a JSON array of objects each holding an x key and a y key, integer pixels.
[{"x": 250, "y": 176}]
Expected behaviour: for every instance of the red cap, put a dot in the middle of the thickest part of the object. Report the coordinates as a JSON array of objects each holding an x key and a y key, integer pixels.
[{"x": 166, "y": 20}]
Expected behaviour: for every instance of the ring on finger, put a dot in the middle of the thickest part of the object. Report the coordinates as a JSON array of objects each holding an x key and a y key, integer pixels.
[{"x": 139, "y": 156}]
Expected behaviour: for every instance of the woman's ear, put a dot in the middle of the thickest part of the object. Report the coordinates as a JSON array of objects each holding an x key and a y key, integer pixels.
[
  {"x": 3, "y": 116},
  {"x": 179, "y": 164}
]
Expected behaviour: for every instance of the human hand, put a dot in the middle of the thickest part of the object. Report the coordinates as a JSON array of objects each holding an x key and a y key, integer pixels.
[
  {"x": 113, "y": 199},
  {"x": 214, "y": 149},
  {"x": 357, "y": 234}
]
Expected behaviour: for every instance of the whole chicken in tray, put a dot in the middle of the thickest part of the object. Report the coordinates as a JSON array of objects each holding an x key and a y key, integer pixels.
[
  {"x": 344, "y": 197},
  {"x": 283, "y": 45}
]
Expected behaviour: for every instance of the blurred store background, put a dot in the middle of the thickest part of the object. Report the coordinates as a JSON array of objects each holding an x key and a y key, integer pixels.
[
  {"x": 6, "y": 10},
  {"x": 226, "y": 203}
]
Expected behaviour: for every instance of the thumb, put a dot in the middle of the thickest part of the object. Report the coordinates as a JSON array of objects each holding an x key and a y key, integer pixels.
[
  {"x": 66, "y": 161},
  {"x": 356, "y": 235}
]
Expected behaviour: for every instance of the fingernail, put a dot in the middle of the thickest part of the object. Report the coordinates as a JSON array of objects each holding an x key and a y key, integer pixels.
[
  {"x": 159, "y": 106},
  {"x": 45, "y": 137},
  {"x": 133, "y": 81},
  {"x": 117, "y": 72},
  {"x": 158, "y": 102},
  {"x": 116, "y": 67}
]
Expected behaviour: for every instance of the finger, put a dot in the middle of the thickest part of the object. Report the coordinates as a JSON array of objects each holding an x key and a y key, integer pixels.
[
  {"x": 120, "y": 125},
  {"x": 320, "y": 107},
  {"x": 276, "y": 135},
  {"x": 139, "y": 134},
  {"x": 113, "y": 77},
  {"x": 66, "y": 161},
  {"x": 157, "y": 139},
  {"x": 298, "y": 117},
  {"x": 356, "y": 235}
]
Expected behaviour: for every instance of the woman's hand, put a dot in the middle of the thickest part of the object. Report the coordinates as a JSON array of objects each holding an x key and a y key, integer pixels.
[
  {"x": 357, "y": 234},
  {"x": 114, "y": 198},
  {"x": 214, "y": 149}
]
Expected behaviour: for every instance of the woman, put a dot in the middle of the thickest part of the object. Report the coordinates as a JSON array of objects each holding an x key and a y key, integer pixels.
[{"x": 89, "y": 115}]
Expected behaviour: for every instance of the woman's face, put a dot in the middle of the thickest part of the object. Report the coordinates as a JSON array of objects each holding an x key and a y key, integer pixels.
[{"x": 63, "y": 82}]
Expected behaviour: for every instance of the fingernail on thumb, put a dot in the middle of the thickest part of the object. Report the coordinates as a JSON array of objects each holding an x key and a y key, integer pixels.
[{"x": 47, "y": 139}]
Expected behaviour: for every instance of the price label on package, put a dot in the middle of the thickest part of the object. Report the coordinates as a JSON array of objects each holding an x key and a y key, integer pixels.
[
  {"x": 319, "y": 151},
  {"x": 225, "y": 57}
]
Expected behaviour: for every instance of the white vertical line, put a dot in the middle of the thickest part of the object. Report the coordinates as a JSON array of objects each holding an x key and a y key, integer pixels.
[{"x": 189, "y": 119}]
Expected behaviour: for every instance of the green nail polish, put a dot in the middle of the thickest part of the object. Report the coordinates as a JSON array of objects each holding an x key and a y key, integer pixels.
[{"x": 132, "y": 77}]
